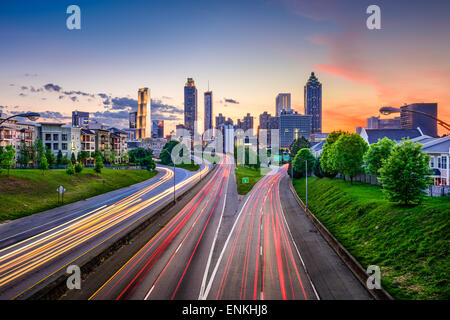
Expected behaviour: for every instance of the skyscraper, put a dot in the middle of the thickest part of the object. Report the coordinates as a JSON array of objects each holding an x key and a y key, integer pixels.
[
  {"x": 282, "y": 102},
  {"x": 410, "y": 120},
  {"x": 190, "y": 105},
  {"x": 80, "y": 119},
  {"x": 292, "y": 126},
  {"x": 313, "y": 102},
  {"x": 157, "y": 128},
  {"x": 132, "y": 116},
  {"x": 143, "y": 121},
  {"x": 220, "y": 119},
  {"x": 208, "y": 110}
]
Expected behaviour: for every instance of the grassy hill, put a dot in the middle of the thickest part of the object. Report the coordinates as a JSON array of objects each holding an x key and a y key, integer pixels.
[
  {"x": 29, "y": 191},
  {"x": 410, "y": 244}
]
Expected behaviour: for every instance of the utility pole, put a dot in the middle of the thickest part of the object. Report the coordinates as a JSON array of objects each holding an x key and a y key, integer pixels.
[
  {"x": 306, "y": 181},
  {"x": 174, "y": 181}
]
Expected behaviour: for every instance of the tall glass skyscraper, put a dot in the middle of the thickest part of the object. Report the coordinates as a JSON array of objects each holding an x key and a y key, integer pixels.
[
  {"x": 143, "y": 121},
  {"x": 313, "y": 102},
  {"x": 282, "y": 103},
  {"x": 411, "y": 120},
  {"x": 190, "y": 105},
  {"x": 208, "y": 110}
]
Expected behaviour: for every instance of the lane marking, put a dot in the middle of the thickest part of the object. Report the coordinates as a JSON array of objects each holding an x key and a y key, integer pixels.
[
  {"x": 296, "y": 248},
  {"x": 213, "y": 275},
  {"x": 205, "y": 275}
]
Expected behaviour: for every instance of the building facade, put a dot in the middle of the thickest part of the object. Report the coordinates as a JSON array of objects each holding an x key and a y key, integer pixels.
[
  {"x": 59, "y": 137},
  {"x": 411, "y": 120},
  {"x": 208, "y": 97},
  {"x": 377, "y": 123},
  {"x": 157, "y": 128},
  {"x": 190, "y": 106},
  {"x": 282, "y": 103},
  {"x": 292, "y": 126},
  {"x": 143, "y": 117},
  {"x": 313, "y": 102},
  {"x": 80, "y": 119}
]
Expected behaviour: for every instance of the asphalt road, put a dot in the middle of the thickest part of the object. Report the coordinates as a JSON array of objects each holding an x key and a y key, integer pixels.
[
  {"x": 171, "y": 264},
  {"x": 36, "y": 247},
  {"x": 220, "y": 246},
  {"x": 260, "y": 259}
]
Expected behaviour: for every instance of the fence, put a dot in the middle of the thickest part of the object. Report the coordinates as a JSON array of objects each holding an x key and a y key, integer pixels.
[{"x": 432, "y": 191}]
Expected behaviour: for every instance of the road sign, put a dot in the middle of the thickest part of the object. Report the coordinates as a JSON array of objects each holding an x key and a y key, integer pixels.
[
  {"x": 60, "y": 190},
  {"x": 244, "y": 180}
]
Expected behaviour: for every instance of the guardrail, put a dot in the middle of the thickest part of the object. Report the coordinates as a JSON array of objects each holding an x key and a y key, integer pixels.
[{"x": 354, "y": 266}]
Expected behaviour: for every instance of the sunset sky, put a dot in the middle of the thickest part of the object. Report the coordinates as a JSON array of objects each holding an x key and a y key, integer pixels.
[{"x": 248, "y": 50}]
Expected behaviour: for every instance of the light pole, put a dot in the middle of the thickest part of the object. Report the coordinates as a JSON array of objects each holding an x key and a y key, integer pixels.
[
  {"x": 389, "y": 110},
  {"x": 32, "y": 116},
  {"x": 174, "y": 198},
  {"x": 306, "y": 181}
]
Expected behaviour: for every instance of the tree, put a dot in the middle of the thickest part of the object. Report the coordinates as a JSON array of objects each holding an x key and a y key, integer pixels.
[
  {"x": 59, "y": 158},
  {"x": 78, "y": 167},
  {"x": 302, "y": 157},
  {"x": 325, "y": 162},
  {"x": 125, "y": 158},
  {"x": 7, "y": 158},
  {"x": 25, "y": 155},
  {"x": 113, "y": 156},
  {"x": 98, "y": 165},
  {"x": 107, "y": 154},
  {"x": 82, "y": 156},
  {"x": 298, "y": 144},
  {"x": 166, "y": 153},
  {"x": 39, "y": 148},
  {"x": 43, "y": 164},
  {"x": 317, "y": 169},
  {"x": 149, "y": 163},
  {"x": 50, "y": 156},
  {"x": 347, "y": 154},
  {"x": 65, "y": 160},
  {"x": 72, "y": 158},
  {"x": 377, "y": 153},
  {"x": 70, "y": 170},
  {"x": 404, "y": 175}
]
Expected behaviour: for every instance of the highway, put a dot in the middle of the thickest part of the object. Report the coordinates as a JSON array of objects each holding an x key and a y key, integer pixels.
[
  {"x": 259, "y": 259},
  {"x": 167, "y": 266},
  {"x": 222, "y": 246},
  {"x": 36, "y": 248}
]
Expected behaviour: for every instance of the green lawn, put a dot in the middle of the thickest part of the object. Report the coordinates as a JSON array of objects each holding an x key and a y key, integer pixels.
[
  {"x": 191, "y": 167},
  {"x": 29, "y": 191},
  {"x": 410, "y": 244},
  {"x": 253, "y": 177}
]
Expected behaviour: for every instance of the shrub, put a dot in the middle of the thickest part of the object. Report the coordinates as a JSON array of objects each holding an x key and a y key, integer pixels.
[
  {"x": 70, "y": 169},
  {"x": 78, "y": 167}
]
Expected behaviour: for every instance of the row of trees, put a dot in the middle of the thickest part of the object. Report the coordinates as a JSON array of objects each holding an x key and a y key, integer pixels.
[{"x": 401, "y": 168}]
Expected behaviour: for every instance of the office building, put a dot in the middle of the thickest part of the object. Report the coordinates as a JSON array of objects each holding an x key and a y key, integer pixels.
[
  {"x": 282, "y": 103},
  {"x": 377, "y": 123},
  {"x": 190, "y": 106},
  {"x": 80, "y": 119},
  {"x": 220, "y": 119},
  {"x": 292, "y": 126},
  {"x": 411, "y": 120},
  {"x": 132, "y": 116},
  {"x": 157, "y": 128},
  {"x": 246, "y": 123},
  {"x": 143, "y": 118},
  {"x": 208, "y": 110},
  {"x": 313, "y": 102}
]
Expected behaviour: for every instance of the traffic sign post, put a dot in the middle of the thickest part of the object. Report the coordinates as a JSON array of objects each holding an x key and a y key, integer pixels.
[{"x": 61, "y": 191}]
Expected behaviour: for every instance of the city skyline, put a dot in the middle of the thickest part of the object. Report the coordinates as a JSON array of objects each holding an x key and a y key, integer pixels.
[{"x": 353, "y": 62}]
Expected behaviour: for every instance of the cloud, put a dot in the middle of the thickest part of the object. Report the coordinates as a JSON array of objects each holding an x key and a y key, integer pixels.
[
  {"x": 22, "y": 94},
  {"x": 74, "y": 99},
  {"x": 30, "y": 75},
  {"x": 24, "y": 88},
  {"x": 231, "y": 101},
  {"x": 159, "y": 107},
  {"x": 52, "y": 87},
  {"x": 123, "y": 103}
]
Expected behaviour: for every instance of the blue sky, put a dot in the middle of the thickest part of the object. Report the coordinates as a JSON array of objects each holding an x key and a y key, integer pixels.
[{"x": 247, "y": 50}]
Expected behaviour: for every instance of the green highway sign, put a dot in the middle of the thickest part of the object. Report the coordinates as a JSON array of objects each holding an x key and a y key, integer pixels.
[{"x": 244, "y": 180}]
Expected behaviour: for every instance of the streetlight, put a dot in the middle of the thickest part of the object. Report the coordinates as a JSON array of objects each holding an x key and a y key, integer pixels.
[
  {"x": 389, "y": 110},
  {"x": 306, "y": 181},
  {"x": 32, "y": 116}
]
